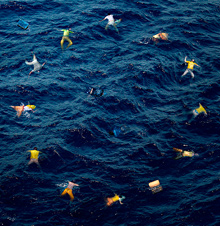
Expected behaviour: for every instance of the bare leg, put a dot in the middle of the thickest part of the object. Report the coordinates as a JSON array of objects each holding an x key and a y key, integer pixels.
[
  {"x": 186, "y": 71},
  {"x": 34, "y": 161},
  {"x": 116, "y": 28},
  {"x": 106, "y": 27},
  {"x": 191, "y": 73}
]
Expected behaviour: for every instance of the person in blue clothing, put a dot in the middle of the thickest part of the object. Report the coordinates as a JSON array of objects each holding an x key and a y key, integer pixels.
[{"x": 116, "y": 131}]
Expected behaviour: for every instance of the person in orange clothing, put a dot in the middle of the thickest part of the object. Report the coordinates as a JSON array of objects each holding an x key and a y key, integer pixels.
[
  {"x": 111, "y": 200},
  {"x": 182, "y": 153},
  {"x": 160, "y": 36},
  {"x": 69, "y": 190},
  {"x": 190, "y": 67},
  {"x": 34, "y": 156},
  {"x": 23, "y": 108}
]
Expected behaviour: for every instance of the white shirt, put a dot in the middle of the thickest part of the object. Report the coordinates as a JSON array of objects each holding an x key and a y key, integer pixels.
[
  {"x": 27, "y": 108},
  {"x": 110, "y": 19}
]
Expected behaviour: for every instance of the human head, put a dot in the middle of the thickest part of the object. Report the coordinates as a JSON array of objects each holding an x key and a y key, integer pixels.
[
  {"x": 122, "y": 197},
  {"x": 69, "y": 29},
  {"x": 192, "y": 60},
  {"x": 35, "y": 148},
  {"x": 109, "y": 14}
]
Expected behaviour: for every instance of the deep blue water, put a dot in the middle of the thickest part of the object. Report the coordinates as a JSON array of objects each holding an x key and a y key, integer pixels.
[{"x": 144, "y": 94}]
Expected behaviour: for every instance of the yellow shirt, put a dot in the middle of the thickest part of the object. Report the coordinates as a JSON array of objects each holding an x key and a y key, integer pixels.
[
  {"x": 191, "y": 64},
  {"x": 66, "y": 32},
  {"x": 34, "y": 154},
  {"x": 201, "y": 109},
  {"x": 115, "y": 198},
  {"x": 188, "y": 154}
]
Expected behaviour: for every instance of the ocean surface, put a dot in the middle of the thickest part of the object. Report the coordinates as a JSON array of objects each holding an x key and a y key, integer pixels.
[{"x": 143, "y": 93}]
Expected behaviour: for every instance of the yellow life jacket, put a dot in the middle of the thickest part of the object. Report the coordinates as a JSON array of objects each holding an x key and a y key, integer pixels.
[
  {"x": 115, "y": 198},
  {"x": 34, "y": 154},
  {"x": 201, "y": 109},
  {"x": 188, "y": 154},
  {"x": 31, "y": 106}
]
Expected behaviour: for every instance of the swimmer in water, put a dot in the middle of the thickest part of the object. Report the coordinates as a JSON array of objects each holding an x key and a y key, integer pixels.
[
  {"x": 117, "y": 131},
  {"x": 34, "y": 156},
  {"x": 160, "y": 36},
  {"x": 66, "y": 37},
  {"x": 182, "y": 153},
  {"x": 111, "y": 200},
  {"x": 37, "y": 65},
  {"x": 111, "y": 21},
  {"x": 189, "y": 67},
  {"x": 69, "y": 189},
  {"x": 96, "y": 92},
  {"x": 23, "y": 108},
  {"x": 199, "y": 110}
]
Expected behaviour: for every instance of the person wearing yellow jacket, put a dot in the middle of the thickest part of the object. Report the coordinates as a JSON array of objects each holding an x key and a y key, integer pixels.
[
  {"x": 189, "y": 67},
  {"x": 182, "y": 153},
  {"x": 34, "y": 156},
  {"x": 111, "y": 200},
  {"x": 199, "y": 110}
]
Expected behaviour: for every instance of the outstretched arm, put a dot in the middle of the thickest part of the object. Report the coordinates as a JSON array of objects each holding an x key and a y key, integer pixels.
[
  {"x": 103, "y": 19},
  {"x": 185, "y": 58},
  {"x": 28, "y": 63}
]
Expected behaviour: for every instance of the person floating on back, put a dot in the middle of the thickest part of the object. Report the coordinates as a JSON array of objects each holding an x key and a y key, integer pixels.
[
  {"x": 37, "y": 65},
  {"x": 69, "y": 190},
  {"x": 189, "y": 67},
  {"x": 23, "y": 108},
  {"x": 34, "y": 156},
  {"x": 199, "y": 110},
  {"x": 160, "y": 36},
  {"x": 111, "y": 200},
  {"x": 66, "y": 37},
  {"x": 111, "y": 21},
  {"x": 182, "y": 153}
]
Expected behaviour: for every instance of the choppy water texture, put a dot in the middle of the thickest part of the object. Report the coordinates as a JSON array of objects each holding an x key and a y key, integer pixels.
[{"x": 144, "y": 93}]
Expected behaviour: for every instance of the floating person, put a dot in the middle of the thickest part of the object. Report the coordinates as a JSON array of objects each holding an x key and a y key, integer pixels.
[
  {"x": 111, "y": 200},
  {"x": 189, "y": 67},
  {"x": 111, "y": 21},
  {"x": 23, "y": 108},
  {"x": 182, "y": 153},
  {"x": 96, "y": 92},
  {"x": 69, "y": 190},
  {"x": 66, "y": 33},
  {"x": 155, "y": 186},
  {"x": 199, "y": 110},
  {"x": 34, "y": 156},
  {"x": 117, "y": 131},
  {"x": 160, "y": 36},
  {"x": 37, "y": 65}
]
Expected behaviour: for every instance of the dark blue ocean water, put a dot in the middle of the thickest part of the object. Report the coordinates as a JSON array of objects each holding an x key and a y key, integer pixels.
[{"x": 144, "y": 94}]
